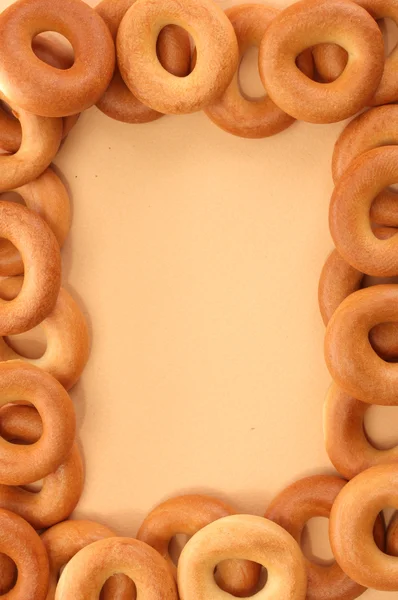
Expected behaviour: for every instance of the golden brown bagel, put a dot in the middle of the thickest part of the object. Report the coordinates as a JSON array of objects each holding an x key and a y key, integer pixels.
[
  {"x": 232, "y": 111},
  {"x": 61, "y": 490},
  {"x": 53, "y": 53},
  {"x": 336, "y": 59},
  {"x": 40, "y": 254},
  {"x": 242, "y": 537},
  {"x": 174, "y": 53},
  {"x": 346, "y": 442},
  {"x": 68, "y": 340},
  {"x": 308, "y": 23},
  {"x": 372, "y": 129},
  {"x": 338, "y": 280},
  {"x": 86, "y": 573},
  {"x": 293, "y": 508},
  {"x": 349, "y": 210},
  {"x": 351, "y": 527},
  {"x": 187, "y": 515},
  {"x": 47, "y": 196},
  {"x": 20, "y": 465},
  {"x": 65, "y": 540},
  {"x": 38, "y": 87},
  {"x": 20, "y": 542},
  {"x": 217, "y": 54},
  {"x": 350, "y": 358},
  {"x": 41, "y": 138}
]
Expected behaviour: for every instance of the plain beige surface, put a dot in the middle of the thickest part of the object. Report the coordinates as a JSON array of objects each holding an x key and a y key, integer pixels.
[{"x": 196, "y": 257}]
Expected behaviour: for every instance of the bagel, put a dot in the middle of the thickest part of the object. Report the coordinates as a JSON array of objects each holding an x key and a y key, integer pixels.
[
  {"x": 232, "y": 111},
  {"x": 40, "y": 88},
  {"x": 20, "y": 465},
  {"x": 86, "y": 573},
  {"x": 346, "y": 442},
  {"x": 65, "y": 540},
  {"x": 374, "y": 128},
  {"x": 48, "y": 197},
  {"x": 351, "y": 527},
  {"x": 350, "y": 358},
  {"x": 242, "y": 537},
  {"x": 308, "y": 23},
  {"x": 293, "y": 508},
  {"x": 61, "y": 490},
  {"x": 338, "y": 280},
  {"x": 216, "y": 45},
  {"x": 54, "y": 53},
  {"x": 40, "y": 254},
  {"x": 349, "y": 220},
  {"x": 333, "y": 59},
  {"x": 68, "y": 340},
  {"x": 20, "y": 542},
  {"x": 41, "y": 138},
  {"x": 187, "y": 515},
  {"x": 174, "y": 52}
]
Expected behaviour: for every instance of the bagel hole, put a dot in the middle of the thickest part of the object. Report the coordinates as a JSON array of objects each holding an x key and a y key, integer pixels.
[
  {"x": 34, "y": 487},
  {"x": 393, "y": 187},
  {"x": 389, "y": 513},
  {"x": 315, "y": 541},
  {"x": 389, "y": 30},
  {"x": 8, "y": 574},
  {"x": 185, "y": 66},
  {"x": 261, "y": 583},
  {"x": 8, "y": 110},
  {"x": 336, "y": 71},
  {"x": 31, "y": 344},
  {"x": 12, "y": 431},
  {"x": 112, "y": 586},
  {"x": 176, "y": 546},
  {"x": 54, "y": 49},
  {"x": 12, "y": 197},
  {"x": 250, "y": 84},
  {"x": 381, "y": 426},
  {"x": 368, "y": 280}
]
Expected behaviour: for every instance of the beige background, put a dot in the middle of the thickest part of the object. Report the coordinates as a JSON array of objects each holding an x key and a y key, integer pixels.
[{"x": 196, "y": 257}]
